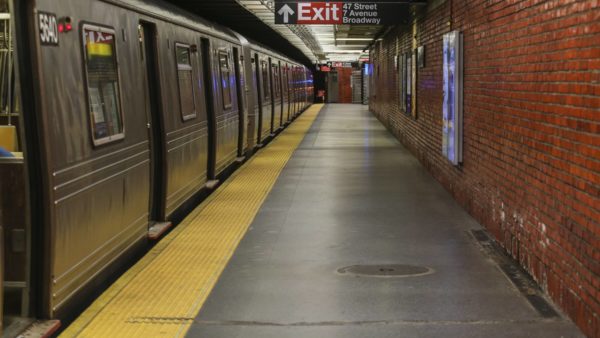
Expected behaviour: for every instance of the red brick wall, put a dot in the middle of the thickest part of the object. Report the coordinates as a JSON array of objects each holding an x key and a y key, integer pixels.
[{"x": 531, "y": 169}]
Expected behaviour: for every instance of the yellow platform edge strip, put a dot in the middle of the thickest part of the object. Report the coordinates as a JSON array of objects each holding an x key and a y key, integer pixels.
[{"x": 162, "y": 293}]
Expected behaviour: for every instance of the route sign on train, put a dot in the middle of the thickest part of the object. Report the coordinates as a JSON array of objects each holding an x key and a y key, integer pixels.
[{"x": 341, "y": 13}]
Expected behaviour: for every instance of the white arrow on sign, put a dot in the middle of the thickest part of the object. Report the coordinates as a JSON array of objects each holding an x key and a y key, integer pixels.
[{"x": 286, "y": 11}]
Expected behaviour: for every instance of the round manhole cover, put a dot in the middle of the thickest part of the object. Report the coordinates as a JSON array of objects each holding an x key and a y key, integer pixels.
[{"x": 386, "y": 270}]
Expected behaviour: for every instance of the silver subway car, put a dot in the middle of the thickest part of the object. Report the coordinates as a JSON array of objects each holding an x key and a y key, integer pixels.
[{"x": 126, "y": 113}]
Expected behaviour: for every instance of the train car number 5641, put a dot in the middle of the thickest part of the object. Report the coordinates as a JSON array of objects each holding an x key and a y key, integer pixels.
[{"x": 48, "y": 29}]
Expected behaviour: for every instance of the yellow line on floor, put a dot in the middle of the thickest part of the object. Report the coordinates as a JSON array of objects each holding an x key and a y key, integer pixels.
[{"x": 162, "y": 293}]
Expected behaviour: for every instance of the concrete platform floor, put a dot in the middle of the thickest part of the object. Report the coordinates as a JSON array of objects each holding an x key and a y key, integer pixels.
[{"x": 351, "y": 194}]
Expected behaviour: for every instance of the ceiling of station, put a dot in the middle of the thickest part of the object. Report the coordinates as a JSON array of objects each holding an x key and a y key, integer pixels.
[
  {"x": 306, "y": 43},
  {"x": 320, "y": 43},
  {"x": 232, "y": 14},
  {"x": 344, "y": 42}
]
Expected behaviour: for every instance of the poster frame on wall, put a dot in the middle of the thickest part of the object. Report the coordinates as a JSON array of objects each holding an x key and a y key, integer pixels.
[
  {"x": 408, "y": 82},
  {"x": 413, "y": 84},
  {"x": 452, "y": 106},
  {"x": 401, "y": 81}
]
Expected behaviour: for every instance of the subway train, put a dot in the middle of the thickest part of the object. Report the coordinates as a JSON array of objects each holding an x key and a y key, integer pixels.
[{"x": 127, "y": 111}]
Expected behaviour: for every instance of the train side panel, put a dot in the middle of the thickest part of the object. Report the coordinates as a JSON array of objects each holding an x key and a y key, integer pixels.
[
  {"x": 277, "y": 93},
  {"x": 252, "y": 96},
  {"x": 305, "y": 87},
  {"x": 309, "y": 87},
  {"x": 184, "y": 113},
  {"x": 98, "y": 162},
  {"x": 100, "y": 131},
  {"x": 225, "y": 104},
  {"x": 241, "y": 91},
  {"x": 297, "y": 89},
  {"x": 266, "y": 112},
  {"x": 285, "y": 84},
  {"x": 293, "y": 90}
]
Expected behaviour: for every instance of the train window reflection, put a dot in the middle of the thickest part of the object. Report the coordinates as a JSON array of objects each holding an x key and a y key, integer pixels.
[
  {"x": 102, "y": 84},
  {"x": 276, "y": 82},
  {"x": 185, "y": 81},
  {"x": 284, "y": 83},
  {"x": 225, "y": 74},
  {"x": 265, "y": 80}
]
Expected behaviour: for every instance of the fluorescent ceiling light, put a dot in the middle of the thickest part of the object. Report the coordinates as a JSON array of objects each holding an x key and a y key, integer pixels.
[
  {"x": 335, "y": 51},
  {"x": 354, "y": 39}
]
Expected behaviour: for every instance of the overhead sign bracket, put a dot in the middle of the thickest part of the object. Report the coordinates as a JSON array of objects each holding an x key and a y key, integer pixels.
[{"x": 342, "y": 13}]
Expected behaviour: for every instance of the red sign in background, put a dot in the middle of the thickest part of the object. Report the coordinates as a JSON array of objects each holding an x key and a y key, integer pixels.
[{"x": 320, "y": 12}]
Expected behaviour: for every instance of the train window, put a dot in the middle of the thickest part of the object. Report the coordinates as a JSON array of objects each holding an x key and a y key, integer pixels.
[
  {"x": 276, "y": 82},
  {"x": 284, "y": 81},
  {"x": 225, "y": 75},
  {"x": 185, "y": 81},
  {"x": 265, "y": 80},
  {"x": 102, "y": 73}
]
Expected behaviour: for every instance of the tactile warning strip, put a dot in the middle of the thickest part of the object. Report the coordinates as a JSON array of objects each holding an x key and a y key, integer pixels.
[{"x": 162, "y": 293}]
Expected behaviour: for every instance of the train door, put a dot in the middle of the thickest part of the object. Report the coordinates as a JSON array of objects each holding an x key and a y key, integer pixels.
[
  {"x": 288, "y": 89},
  {"x": 292, "y": 89},
  {"x": 290, "y": 74},
  {"x": 13, "y": 224},
  {"x": 273, "y": 96},
  {"x": 280, "y": 93},
  {"x": 276, "y": 89},
  {"x": 256, "y": 92},
  {"x": 21, "y": 188},
  {"x": 148, "y": 56},
  {"x": 210, "y": 108},
  {"x": 266, "y": 113},
  {"x": 295, "y": 90},
  {"x": 285, "y": 93},
  {"x": 298, "y": 91},
  {"x": 238, "y": 66}
]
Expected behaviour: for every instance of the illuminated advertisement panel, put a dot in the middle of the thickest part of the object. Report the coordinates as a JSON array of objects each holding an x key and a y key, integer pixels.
[
  {"x": 452, "y": 105},
  {"x": 408, "y": 83}
]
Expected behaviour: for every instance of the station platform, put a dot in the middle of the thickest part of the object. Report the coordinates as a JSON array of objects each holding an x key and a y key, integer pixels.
[{"x": 332, "y": 230}]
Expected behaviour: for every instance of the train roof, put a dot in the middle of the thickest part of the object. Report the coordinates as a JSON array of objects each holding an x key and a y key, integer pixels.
[
  {"x": 168, "y": 12},
  {"x": 263, "y": 49}
]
